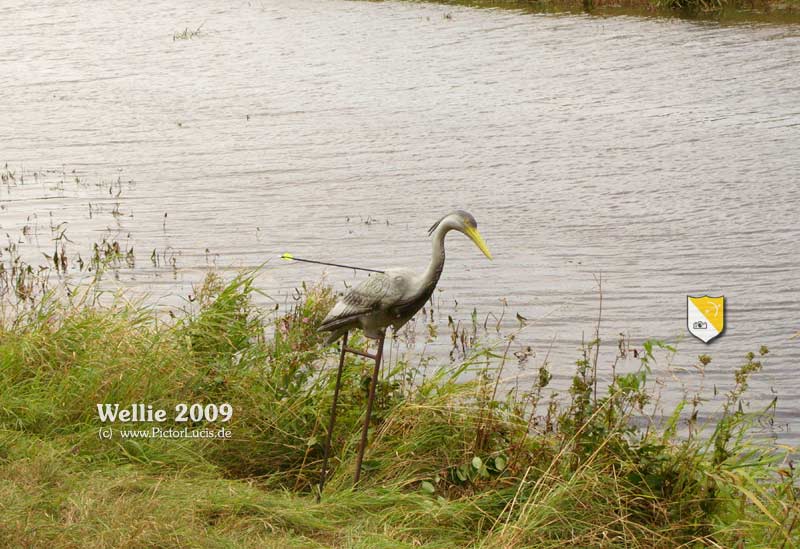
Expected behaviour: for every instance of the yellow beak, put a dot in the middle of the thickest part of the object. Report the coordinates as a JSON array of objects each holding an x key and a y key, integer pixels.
[{"x": 476, "y": 237}]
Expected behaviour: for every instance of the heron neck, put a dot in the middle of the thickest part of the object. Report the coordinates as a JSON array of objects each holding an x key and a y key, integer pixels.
[{"x": 434, "y": 270}]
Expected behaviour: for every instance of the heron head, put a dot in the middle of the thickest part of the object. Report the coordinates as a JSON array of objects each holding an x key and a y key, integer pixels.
[{"x": 463, "y": 222}]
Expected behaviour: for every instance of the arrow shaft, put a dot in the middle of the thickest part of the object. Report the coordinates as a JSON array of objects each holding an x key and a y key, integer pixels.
[{"x": 333, "y": 264}]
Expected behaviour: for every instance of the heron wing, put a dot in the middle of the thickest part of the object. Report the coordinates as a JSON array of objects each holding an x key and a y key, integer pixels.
[{"x": 365, "y": 298}]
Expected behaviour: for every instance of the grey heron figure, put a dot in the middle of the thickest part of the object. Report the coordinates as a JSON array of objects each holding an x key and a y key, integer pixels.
[{"x": 389, "y": 298}]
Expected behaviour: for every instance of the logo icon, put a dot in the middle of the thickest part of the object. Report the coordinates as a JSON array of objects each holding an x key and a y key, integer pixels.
[{"x": 705, "y": 316}]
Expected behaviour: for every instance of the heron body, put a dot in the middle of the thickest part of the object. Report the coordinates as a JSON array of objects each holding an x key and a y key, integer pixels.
[
  {"x": 393, "y": 297},
  {"x": 389, "y": 298},
  {"x": 385, "y": 299}
]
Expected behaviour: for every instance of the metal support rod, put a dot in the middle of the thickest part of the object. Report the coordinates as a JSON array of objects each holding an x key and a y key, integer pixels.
[
  {"x": 364, "y": 432},
  {"x": 361, "y": 353},
  {"x": 332, "y": 420}
]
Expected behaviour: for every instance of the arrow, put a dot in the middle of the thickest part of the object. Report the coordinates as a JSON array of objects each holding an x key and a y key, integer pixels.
[{"x": 289, "y": 257}]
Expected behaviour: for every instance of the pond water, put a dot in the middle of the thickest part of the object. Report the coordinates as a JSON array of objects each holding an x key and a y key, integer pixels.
[{"x": 659, "y": 154}]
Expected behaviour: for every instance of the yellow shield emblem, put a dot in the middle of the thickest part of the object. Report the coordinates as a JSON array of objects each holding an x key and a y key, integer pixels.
[{"x": 705, "y": 316}]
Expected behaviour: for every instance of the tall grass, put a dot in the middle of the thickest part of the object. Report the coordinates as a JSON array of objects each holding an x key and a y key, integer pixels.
[{"x": 452, "y": 463}]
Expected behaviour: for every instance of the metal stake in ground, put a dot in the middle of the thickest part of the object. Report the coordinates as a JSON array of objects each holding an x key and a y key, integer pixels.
[
  {"x": 332, "y": 420},
  {"x": 377, "y": 357},
  {"x": 363, "y": 444}
]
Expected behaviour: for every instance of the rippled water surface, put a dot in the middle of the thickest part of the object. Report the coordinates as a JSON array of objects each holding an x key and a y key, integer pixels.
[{"x": 662, "y": 154}]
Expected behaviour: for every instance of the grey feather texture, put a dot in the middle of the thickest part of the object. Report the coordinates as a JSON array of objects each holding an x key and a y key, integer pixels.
[{"x": 379, "y": 301}]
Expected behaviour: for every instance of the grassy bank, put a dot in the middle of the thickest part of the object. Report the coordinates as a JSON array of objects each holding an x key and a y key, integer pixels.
[
  {"x": 725, "y": 11},
  {"x": 452, "y": 463}
]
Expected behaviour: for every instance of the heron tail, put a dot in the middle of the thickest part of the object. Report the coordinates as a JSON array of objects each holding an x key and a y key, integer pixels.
[{"x": 334, "y": 336}]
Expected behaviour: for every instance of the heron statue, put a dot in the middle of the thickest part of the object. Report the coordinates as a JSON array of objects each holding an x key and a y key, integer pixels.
[{"x": 388, "y": 298}]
